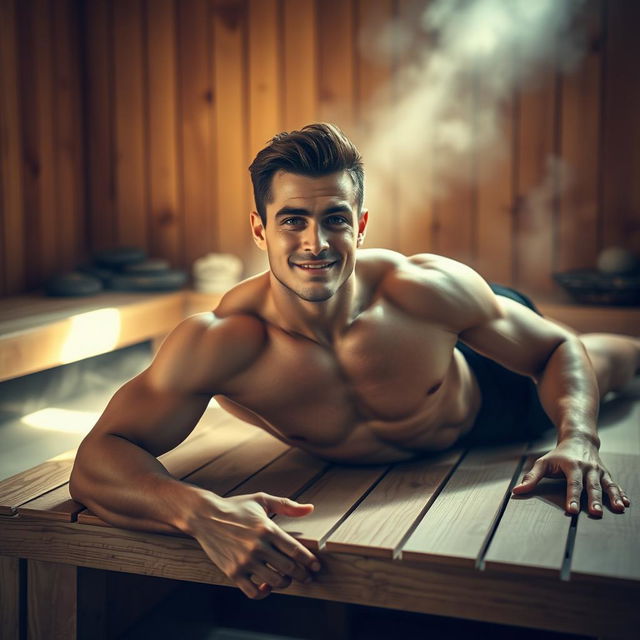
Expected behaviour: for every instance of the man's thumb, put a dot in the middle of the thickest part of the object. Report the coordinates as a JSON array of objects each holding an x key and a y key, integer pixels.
[{"x": 286, "y": 507}]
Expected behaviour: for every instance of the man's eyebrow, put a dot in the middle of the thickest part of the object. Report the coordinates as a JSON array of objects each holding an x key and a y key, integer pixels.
[{"x": 296, "y": 211}]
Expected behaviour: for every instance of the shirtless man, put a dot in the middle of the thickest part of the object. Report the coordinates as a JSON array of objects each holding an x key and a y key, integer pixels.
[{"x": 352, "y": 355}]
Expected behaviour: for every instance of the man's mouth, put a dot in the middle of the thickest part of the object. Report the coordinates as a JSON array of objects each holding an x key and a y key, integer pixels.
[{"x": 315, "y": 266}]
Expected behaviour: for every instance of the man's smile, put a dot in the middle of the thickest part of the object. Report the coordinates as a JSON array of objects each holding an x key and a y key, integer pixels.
[{"x": 319, "y": 265}]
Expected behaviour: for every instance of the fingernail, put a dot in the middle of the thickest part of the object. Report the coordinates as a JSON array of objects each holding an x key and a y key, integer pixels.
[
  {"x": 619, "y": 503},
  {"x": 597, "y": 507},
  {"x": 316, "y": 566},
  {"x": 573, "y": 505}
]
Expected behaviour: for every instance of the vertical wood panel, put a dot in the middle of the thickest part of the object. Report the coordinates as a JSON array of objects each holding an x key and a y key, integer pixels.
[
  {"x": 165, "y": 220},
  {"x": 99, "y": 129},
  {"x": 300, "y": 63},
  {"x": 12, "y": 279},
  {"x": 68, "y": 135},
  {"x": 196, "y": 114},
  {"x": 10, "y": 604},
  {"x": 621, "y": 127},
  {"x": 130, "y": 117},
  {"x": 336, "y": 62},
  {"x": 232, "y": 204},
  {"x": 536, "y": 187},
  {"x": 39, "y": 177},
  {"x": 579, "y": 148}
]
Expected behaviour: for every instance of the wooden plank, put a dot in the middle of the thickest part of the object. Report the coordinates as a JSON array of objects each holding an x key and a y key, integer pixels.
[
  {"x": 165, "y": 220},
  {"x": 300, "y": 88},
  {"x": 30, "y": 484},
  {"x": 620, "y": 212},
  {"x": 11, "y": 166},
  {"x": 503, "y": 598},
  {"x": 10, "y": 604},
  {"x": 68, "y": 135},
  {"x": 233, "y": 200},
  {"x": 196, "y": 141},
  {"x": 384, "y": 518},
  {"x": 53, "y": 505},
  {"x": 336, "y": 62},
  {"x": 537, "y": 175},
  {"x": 581, "y": 92},
  {"x": 130, "y": 116},
  {"x": 609, "y": 547},
  {"x": 234, "y": 467},
  {"x": 51, "y": 600},
  {"x": 533, "y": 531},
  {"x": 334, "y": 495},
  {"x": 39, "y": 174},
  {"x": 460, "y": 521},
  {"x": 285, "y": 476},
  {"x": 106, "y": 326},
  {"x": 99, "y": 131}
]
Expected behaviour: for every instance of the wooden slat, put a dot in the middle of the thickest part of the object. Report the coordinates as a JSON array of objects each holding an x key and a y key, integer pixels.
[
  {"x": 457, "y": 525},
  {"x": 68, "y": 135},
  {"x": 231, "y": 149},
  {"x": 336, "y": 51},
  {"x": 609, "y": 547},
  {"x": 385, "y": 516},
  {"x": 130, "y": 116},
  {"x": 10, "y": 597},
  {"x": 620, "y": 220},
  {"x": 54, "y": 505},
  {"x": 11, "y": 194},
  {"x": 234, "y": 467},
  {"x": 165, "y": 220},
  {"x": 533, "y": 531},
  {"x": 333, "y": 496},
  {"x": 300, "y": 101},
  {"x": 196, "y": 102},
  {"x": 578, "y": 233},
  {"x": 285, "y": 476},
  {"x": 98, "y": 93},
  {"x": 30, "y": 484}
]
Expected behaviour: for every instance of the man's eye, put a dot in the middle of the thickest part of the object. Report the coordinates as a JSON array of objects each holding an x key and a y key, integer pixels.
[
  {"x": 337, "y": 220},
  {"x": 293, "y": 221}
]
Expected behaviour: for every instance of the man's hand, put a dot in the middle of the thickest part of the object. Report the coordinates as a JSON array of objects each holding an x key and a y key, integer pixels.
[
  {"x": 579, "y": 461},
  {"x": 249, "y": 548}
]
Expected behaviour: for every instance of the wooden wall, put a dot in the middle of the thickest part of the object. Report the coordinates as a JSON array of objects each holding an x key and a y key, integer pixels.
[{"x": 132, "y": 122}]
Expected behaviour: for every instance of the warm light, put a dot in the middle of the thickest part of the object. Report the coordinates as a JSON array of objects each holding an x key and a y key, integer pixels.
[
  {"x": 91, "y": 333},
  {"x": 63, "y": 420}
]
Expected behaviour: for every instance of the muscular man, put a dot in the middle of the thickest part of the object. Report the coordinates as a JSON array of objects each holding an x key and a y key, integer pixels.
[{"x": 355, "y": 356}]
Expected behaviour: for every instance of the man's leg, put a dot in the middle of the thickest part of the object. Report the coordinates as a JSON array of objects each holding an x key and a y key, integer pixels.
[{"x": 616, "y": 359}]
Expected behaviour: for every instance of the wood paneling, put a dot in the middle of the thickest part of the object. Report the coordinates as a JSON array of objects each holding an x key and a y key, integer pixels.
[{"x": 133, "y": 122}]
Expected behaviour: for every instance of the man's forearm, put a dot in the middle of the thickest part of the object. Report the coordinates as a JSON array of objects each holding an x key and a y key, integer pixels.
[
  {"x": 569, "y": 393},
  {"x": 126, "y": 486}
]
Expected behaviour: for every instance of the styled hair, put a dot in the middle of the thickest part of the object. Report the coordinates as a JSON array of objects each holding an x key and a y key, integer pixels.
[{"x": 316, "y": 150}]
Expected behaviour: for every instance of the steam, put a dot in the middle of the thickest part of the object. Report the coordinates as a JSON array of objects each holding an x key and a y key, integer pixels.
[{"x": 468, "y": 56}]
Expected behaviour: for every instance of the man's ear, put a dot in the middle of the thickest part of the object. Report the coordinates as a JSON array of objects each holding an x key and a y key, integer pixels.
[
  {"x": 363, "y": 220},
  {"x": 257, "y": 230}
]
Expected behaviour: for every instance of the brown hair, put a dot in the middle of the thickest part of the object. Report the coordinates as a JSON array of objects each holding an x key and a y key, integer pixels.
[{"x": 315, "y": 150}]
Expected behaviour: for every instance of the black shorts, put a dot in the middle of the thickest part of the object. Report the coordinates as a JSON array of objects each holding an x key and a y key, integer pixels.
[{"x": 510, "y": 410}]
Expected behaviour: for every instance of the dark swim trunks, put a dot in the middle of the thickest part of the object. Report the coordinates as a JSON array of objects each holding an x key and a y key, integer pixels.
[{"x": 511, "y": 410}]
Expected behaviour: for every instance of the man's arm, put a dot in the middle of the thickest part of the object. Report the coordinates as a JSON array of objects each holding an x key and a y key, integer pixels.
[{"x": 117, "y": 475}]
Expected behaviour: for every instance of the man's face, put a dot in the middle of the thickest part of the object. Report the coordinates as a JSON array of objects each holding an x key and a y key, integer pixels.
[{"x": 312, "y": 232}]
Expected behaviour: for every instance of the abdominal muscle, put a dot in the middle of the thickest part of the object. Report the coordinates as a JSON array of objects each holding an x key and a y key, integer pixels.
[{"x": 437, "y": 423}]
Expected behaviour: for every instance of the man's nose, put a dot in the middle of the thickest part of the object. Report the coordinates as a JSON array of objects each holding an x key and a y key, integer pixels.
[{"x": 315, "y": 239}]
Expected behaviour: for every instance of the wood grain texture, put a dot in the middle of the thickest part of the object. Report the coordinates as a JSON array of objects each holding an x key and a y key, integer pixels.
[
  {"x": 10, "y": 604},
  {"x": 334, "y": 494},
  {"x": 12, "y": 214},
  {"x": 384, "y": 518},
  {"x": 55, "y": 505},
  {"x": 30, "y": 484},
  {"x": 52, "y": 600},
  {"x": 610, "y": 546},
  {"x": 533, "y": 531},
  {"x": 458, "y": 524}
]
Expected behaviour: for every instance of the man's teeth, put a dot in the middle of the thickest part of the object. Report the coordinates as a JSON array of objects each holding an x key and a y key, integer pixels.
[{"x": 315, "y": 266}]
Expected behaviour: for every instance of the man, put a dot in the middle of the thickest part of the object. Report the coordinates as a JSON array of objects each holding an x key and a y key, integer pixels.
[{"x": 355, "y": 356}]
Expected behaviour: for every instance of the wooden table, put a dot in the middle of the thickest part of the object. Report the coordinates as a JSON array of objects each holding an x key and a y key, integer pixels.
[{"x": 439, "y": 536}]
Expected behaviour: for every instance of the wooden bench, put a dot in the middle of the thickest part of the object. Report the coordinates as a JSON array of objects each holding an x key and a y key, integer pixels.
[{"x": 439, "y": 536}]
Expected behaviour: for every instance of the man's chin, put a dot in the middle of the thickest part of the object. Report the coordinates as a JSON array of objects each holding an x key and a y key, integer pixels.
[{"x": 315, "y": 295}]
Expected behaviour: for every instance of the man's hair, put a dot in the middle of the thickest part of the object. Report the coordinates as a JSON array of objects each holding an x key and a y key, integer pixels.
[{"x": 315, "y": 150}]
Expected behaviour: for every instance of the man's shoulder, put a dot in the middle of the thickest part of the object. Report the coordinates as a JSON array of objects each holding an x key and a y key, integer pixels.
[{"x": 439, "y": 289}]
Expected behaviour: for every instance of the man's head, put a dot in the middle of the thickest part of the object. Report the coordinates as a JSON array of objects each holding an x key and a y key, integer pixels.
[{"x": 316, "y": 150}]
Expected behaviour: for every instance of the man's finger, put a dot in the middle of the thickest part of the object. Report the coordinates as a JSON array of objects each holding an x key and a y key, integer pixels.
[
  {"x": 284, "y": 506},
  {"x": 615, "y": 493},
  {"x": 294, "y": 550},
  {"x": 532, "y": 477},
  {"x": 286, "y": 566},
  {"x": 594, "y": 493},
  {"x": 251, "y": 590},
  {"x": 574, "y": 490}
]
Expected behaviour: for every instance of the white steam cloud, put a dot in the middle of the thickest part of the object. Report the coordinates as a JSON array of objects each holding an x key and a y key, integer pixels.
[{"x": 471, "y": 56}]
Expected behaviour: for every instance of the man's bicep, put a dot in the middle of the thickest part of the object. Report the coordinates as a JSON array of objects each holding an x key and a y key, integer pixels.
[{"x": 518, "y": 338}]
